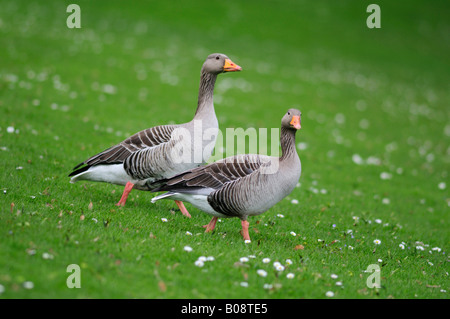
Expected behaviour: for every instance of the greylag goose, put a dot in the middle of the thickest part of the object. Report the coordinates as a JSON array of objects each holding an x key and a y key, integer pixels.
[
  {"x": 161, "y": 151},
  {"x": 242, "y": 185}
]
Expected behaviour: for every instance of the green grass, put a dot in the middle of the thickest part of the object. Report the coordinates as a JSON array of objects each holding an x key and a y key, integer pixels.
[{"x": 381, "y": 94}]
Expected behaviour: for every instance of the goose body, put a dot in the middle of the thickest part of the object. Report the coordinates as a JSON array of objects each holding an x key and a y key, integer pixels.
[
  {"x": 243, "y": 185},
  {"x": 160, "y": 152}
]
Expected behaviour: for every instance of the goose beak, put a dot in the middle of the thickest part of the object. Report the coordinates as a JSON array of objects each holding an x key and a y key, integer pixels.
[
  {"x": 295, "y": 122},
  {"x": 230, "y": 66}
]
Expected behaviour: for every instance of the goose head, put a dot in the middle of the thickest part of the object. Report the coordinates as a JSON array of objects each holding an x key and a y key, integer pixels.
[
  {"x": 218, "y": 63},
  {"x": 292, "y": 119}
]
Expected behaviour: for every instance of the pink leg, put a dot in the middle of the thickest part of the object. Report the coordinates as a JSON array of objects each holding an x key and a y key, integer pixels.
[
  {"x": 182, "y": 208},
  {"x": 211, "y": 225},
  {"x": 245, "y": 234},
  {"x": 126, "y": 192}
]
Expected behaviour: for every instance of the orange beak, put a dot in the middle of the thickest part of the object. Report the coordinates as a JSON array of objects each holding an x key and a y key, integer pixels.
[
  {"x": 230, "y": 66},
  {"x": 295, "y": 122}
]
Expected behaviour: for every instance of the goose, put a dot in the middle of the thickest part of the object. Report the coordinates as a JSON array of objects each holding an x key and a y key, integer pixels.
[
  {"x": 162, "y": 151},
  {"x": 242, "y": 185}
]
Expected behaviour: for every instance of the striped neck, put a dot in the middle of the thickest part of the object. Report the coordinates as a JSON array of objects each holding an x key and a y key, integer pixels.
[
  {"x": 205, "y": 94},
  {"x": 287, "y": 140}
]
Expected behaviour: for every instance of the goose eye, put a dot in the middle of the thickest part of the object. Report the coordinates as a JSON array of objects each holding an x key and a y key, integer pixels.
[
  {"x": 217, "y": 57},
  {"x": 289, "y": 113}
]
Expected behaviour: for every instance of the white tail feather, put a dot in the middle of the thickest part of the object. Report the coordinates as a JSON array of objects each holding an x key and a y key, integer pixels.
[
  {"x": 114, "y": 174},
  {"x": 169, "y": 194}
]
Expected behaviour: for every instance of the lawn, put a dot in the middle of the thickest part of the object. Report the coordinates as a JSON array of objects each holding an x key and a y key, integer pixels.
[{"x": 374, "y": 147}]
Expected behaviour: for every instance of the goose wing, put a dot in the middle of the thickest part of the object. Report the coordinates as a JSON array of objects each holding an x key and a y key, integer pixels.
[
  {"x": 213, "y": 176},
  {"x": 142, "y": 140}
]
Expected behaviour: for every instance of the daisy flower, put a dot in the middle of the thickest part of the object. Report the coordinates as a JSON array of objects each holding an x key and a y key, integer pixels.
[
  {"x": 243, "y": 259},
  {"x": 28, "y": 285},
  {"x": 261, "y": 272},
  {"x": 279, "y": 268}
]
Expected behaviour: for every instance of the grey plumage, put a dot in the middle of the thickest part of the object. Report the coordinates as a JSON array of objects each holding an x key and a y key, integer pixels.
[
  {"x": 153, "y": 154},
  {"x": 242, "y": 185}
]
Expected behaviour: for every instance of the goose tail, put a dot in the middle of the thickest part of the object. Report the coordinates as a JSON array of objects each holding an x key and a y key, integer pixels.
[{"x": 165, "y": 195}]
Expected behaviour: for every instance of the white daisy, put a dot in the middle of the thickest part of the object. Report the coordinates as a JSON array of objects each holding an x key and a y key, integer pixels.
[
  {"x": 28, "y": 285},
  {"x": 279, "y": 268},
  {"x": 261, "y": 272},
  {"x": 243, "y": 259}
]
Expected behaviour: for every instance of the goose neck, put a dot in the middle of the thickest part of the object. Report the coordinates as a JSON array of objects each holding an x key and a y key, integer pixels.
[
  {"x": 205, "y": 93},
  {"x": 287, "y": 140}
]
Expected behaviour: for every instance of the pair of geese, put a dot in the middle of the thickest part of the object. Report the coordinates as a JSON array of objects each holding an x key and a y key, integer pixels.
[{"x": 237, "y": 186}]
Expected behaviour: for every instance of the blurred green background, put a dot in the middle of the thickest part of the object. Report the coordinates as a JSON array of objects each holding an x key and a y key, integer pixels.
[{"x": 374, "y": 144}]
